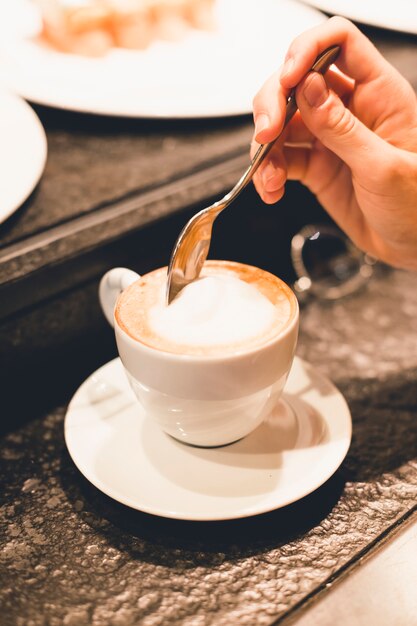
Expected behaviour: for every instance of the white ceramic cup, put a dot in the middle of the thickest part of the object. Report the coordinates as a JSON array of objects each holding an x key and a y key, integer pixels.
[{"x": 203, "y": 400}]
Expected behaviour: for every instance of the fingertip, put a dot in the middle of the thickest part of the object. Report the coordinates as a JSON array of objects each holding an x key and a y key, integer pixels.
[
  {"x": 265, "y": 136},
  {"x": 272, "y": 197},
  {"x": 262, "y": 127}
]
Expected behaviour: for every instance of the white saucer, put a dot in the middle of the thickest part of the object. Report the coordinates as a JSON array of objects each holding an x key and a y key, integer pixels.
[
  {"x": 23, "y": 151},
  {"x": 124, "y": 454}
]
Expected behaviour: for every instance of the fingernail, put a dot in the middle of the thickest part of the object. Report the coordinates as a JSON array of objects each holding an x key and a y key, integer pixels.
[
  {"x": 261, "y": 123},
  {"x": 287, "y": 67},
  {"x": 315, "y": 90}
]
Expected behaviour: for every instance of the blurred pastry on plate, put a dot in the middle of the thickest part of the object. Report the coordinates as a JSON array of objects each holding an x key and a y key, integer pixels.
[{"x": 93, "y": 27}]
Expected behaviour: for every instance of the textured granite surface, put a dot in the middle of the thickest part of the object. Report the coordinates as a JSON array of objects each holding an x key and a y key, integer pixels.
[
  {"x": 93, "y": 161},
  {"x": 71, "y": 556},
  {"x": 120, "y": 218}
]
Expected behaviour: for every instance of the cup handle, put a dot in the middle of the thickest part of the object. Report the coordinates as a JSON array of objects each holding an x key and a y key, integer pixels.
[{"x": 111, "y": 286}]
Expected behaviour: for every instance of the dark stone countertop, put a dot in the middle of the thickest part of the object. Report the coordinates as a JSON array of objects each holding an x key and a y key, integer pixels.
[
  {"x": 97, "y": 160},
  {"x": 72, "y": 556}
]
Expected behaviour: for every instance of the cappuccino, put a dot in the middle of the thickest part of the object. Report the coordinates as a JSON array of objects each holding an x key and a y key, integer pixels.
[{"x": 231, "y": 308}]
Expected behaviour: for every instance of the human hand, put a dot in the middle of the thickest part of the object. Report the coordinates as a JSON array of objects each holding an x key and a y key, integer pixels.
[{"x": 353, "y": 142}]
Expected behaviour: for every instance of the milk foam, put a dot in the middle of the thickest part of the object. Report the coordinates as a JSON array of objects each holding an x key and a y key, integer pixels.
[
  {"x": 214, "y": 311},
  {"x": 232, "y": 307}
]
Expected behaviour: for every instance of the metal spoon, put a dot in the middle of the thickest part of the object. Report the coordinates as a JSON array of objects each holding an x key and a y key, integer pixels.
[{"x": 192, "y": 246}]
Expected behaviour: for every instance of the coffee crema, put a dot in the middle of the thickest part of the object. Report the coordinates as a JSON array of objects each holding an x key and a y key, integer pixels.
[{"x": 231, "y": 308}]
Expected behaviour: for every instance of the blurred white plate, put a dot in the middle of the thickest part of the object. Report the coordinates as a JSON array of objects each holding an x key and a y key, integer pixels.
[
  {"x": 23, "y": 151},
  {"x": 399, "y": 15},
  {"x": 205, "y": 75}
]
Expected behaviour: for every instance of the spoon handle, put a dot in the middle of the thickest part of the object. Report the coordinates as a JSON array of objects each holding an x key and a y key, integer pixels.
[{"x": 321, "y": 64}]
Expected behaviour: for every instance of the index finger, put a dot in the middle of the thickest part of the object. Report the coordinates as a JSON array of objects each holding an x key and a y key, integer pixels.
[
  {"x": 358, "y": 58},
  {"x": 271, "y": 100},
  {"x": 269, "y": 109}
]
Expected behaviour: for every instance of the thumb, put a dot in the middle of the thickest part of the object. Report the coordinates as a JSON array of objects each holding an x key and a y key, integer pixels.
[{"x": 334, "y": 125}]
